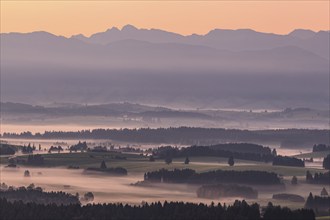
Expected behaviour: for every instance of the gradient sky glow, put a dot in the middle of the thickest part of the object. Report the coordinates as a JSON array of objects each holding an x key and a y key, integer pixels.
[{"x": 185, "y": 17}]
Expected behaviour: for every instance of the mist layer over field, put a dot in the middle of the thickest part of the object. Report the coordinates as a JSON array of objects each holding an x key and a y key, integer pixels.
[
  {"x": 118, "y": 189},
  {"x": 104, "y": 188}
]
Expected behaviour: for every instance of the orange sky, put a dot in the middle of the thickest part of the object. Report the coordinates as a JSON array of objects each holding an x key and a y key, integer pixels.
[{"x": 185, "y": 17}]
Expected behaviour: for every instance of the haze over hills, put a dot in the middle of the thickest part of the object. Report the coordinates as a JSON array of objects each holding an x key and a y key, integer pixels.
[
  {"x": 224, "y": 68},
  {"x": 126, "y": 114}
]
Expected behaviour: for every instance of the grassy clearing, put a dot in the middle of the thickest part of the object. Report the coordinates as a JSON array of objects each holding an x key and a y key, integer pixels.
[
  {"x": 320, "y": 154},
  {"x": 323, "y": 218},
  {"x": 138, "y": 163}
]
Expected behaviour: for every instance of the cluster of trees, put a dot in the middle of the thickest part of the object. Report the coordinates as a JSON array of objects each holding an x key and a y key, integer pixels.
[
  {"x": 288, "y": 161},
  {"x": 289, "y": 197},
  {"x": 243, "y": 148},
  {"x": 99, "y": 149},
  {"x": 239, "y": 152},
  {"x": 81, "y": 146},
  {"x": 37, "y": 196},
  {"x": 212, "y": 177},
  {"x": 326, "y": 162},
  {"x": 187, "y": 135},
  {"x": 320, "y": 204},
  {"x": 157, "y": 210},
  {"x": 28, "y": 149},
  {"x": 244, "y": 151},
  {"x": 217, "y": 191},
  {"x": 7, "y": 149},
  {"x": 57, "y": 149},
  {"x": 88, "y": 197},
  {"x": 321, "y": 147},
  {"x": 318, "y": 178}
]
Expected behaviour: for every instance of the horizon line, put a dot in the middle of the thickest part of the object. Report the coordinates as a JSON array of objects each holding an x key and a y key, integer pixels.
[{"x": 153, "y": 28}]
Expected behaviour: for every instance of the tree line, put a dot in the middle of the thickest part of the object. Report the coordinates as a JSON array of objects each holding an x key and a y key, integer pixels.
[
  {"x": 187, "y": 135},
  {"x": 217, "y": 151},
  {"x": 154, "y": 211},
  {"x": 211, "y": 177},
  {"x": 288, "y": 161},
  {"x": 238, "y": 151},
  {"x": 318, "y": 178},
  {"x": 321, "y": 147}
]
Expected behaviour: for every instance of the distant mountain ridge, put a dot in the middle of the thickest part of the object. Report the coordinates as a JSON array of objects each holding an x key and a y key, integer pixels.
[
  {"x": 42, "y": 48},
  {"x": 234, "y": 40},
  {"x": 223, "y": 68}
]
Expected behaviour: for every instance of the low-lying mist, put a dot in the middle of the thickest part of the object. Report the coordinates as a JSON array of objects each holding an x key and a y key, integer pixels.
[{"x": 119, "y": 189}]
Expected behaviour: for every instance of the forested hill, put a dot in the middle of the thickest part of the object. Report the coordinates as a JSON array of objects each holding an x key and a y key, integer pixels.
[{"x": 191, "y": 135}]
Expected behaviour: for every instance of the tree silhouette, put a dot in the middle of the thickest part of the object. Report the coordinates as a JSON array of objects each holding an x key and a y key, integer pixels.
[
  {"x": 168, "y": 160},
  {"x": 310, "y": 201},
  {"x": 324, "y": 192},
  {"x": 294, "y": 180},
  {"x": 274, "y": 152},
  {"x": 187, "y": 161},
  {"x": 309, "y": 176},
  {"x": 89, "y": 197},
  {"x": 151, "y": 158},
  {"x": 231, "y": 161},
  {"x": 103, "y": 165},
  {"x": 26, "y": 173}
]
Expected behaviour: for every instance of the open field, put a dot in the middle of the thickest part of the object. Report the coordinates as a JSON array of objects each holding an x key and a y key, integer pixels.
[
  {"x": 55, "y": 176},
  {"x": 138, "y": 164}
]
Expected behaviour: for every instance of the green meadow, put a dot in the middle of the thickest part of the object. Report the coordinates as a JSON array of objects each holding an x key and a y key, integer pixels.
[{"x": 139, "y": 163}]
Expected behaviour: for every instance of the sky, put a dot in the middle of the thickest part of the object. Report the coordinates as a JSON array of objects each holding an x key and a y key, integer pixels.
[{"x": 68, "y": 18}]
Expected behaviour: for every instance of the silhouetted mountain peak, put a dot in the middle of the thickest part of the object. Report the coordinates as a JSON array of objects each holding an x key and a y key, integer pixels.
[
  {"x": 230, "y": 31},
  {"x": 302, "y": 33},
  {"x": 129, "y": 27},
  {"x": 113, "y": 29}
]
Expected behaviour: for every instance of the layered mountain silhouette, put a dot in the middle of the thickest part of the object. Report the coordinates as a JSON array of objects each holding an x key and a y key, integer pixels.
[
  {"x": 234, "y": 40},
  {"x": 134, "y": 64}
]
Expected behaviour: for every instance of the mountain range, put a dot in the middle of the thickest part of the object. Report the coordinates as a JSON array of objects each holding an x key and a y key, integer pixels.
[
  {"x": 226, "y": 68},
  {"x": 233, "y": 40}
]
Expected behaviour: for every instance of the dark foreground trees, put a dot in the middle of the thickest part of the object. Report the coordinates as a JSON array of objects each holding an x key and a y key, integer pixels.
[
  {"x": 277, "y": 212},
  {"x": 155, "y": 211},
  {"x": 321, "y": 204}
]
